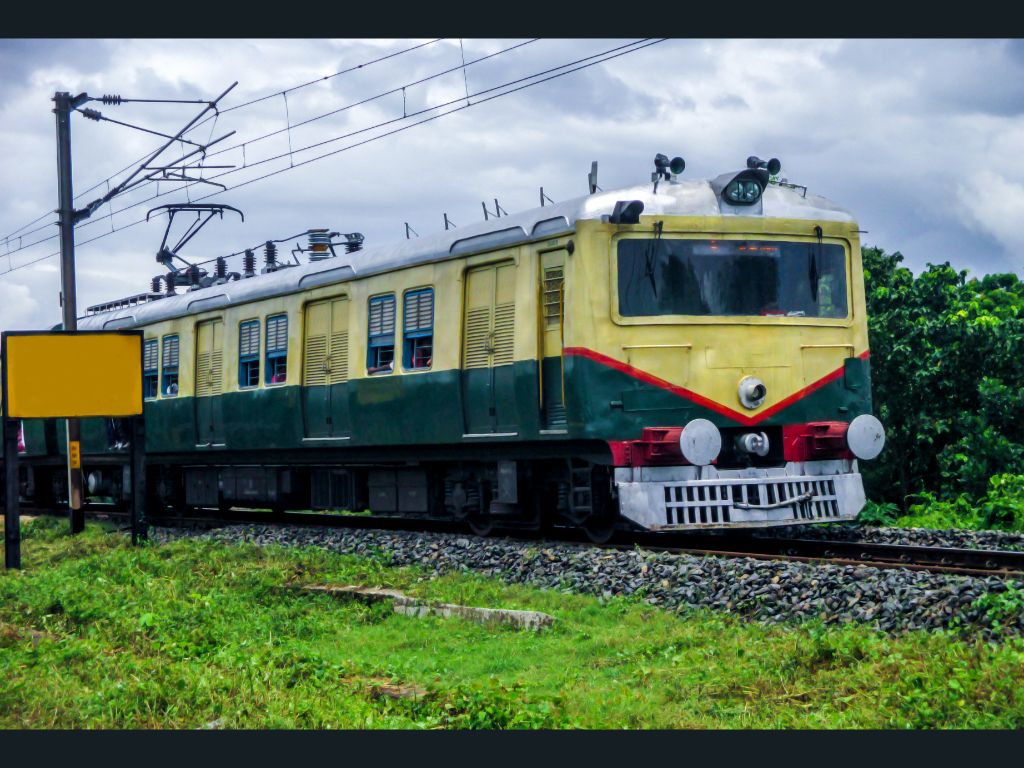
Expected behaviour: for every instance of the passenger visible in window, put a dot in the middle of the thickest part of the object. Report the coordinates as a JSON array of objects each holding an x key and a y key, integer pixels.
[
  {"x": 383, "y": 368},
  {"x": 380, "y": 352},
  {"x": 169, "y": 384},
  {"x": 418, "y": 329}
]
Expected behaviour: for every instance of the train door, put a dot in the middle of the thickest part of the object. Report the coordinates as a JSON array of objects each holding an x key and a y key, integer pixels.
[
  {"x": 325, "y": 406},
  {"x": 488, "y": 380},
  {"x": 552, "y": 303},
  {"x": 209, "y": 383}
]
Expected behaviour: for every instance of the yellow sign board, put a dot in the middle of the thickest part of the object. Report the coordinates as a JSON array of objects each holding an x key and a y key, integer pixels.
[{"x": 72, "y": 374}]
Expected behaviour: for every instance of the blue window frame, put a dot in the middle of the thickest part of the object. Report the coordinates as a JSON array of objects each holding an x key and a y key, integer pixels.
[
  {"x": 150, "y": 368},
  {"x": 418, "y": 329},
  {"x": 380, "y": 351},
  {"x": 171, "y": 350},
  {"x": 249, "y": 354},
  {"x": 277, "y": 349}
]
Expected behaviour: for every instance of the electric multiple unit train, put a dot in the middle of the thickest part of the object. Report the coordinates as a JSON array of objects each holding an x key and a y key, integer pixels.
[{"x": 683, "y": 354}]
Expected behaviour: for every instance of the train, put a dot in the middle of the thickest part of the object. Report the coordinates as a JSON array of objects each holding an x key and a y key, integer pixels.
[{"x": 683, "y": 354}]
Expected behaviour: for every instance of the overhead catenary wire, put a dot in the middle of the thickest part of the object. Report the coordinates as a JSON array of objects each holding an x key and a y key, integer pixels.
[
  {"x": 368, "y": 99},
  {"x": 590, "y": 61},
  {"x": 290, "y": 126},
  {"x": 606, "y": 55},
  {"x": 324, "y": 78}
]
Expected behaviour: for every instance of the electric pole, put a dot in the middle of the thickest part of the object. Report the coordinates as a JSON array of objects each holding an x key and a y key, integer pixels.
[{"x": 65, "y": 102}]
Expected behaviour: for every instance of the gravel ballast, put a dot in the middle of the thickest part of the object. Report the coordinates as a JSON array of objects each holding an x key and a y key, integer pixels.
[
  {"x": 889, "y": 599},
  {"x": 923, "y": 537}
]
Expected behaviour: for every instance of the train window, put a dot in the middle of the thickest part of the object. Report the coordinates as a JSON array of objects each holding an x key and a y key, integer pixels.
[
  {"x": 418, "y": 329},
  {"x": 150, "y": 369},
  {"x": 169, "y": 383},
  {"x": 277, "y": 349},
  {"x": 380, "y": 352},
  {"x": 770, "y": 278},
  {"x": 249, "y": 354}
]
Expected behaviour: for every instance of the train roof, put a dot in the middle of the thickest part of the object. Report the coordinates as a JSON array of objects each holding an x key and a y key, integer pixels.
[{"x": 675, "y": 198}]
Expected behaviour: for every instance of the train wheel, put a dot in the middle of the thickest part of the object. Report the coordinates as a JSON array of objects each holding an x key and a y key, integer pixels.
[
  {"x": 601, "y": 523},
  {"x": 481, "y": 523},
  {"x": 599, "y": 528}
]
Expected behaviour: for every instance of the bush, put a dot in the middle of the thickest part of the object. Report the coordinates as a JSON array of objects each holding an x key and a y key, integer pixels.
[
  {"x": 947, "y": 384},
  {"x": 1001, "y": 508}
]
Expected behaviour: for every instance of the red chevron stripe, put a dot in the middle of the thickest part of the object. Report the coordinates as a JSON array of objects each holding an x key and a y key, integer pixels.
[{"x": 692, "y": 396}]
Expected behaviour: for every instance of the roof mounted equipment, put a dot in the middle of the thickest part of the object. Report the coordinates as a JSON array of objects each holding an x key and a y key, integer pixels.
[
  {"x": 626, "y": 212},
  {"x": 666, "y": 169},
  {"x": 192, "y": 276}
]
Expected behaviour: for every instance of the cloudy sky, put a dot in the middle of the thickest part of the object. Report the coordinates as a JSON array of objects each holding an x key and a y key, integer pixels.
[{"x": 923, "y": 140}]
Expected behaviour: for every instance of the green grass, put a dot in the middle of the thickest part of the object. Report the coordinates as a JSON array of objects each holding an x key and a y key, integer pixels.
[{"x": 94, "y": 633}]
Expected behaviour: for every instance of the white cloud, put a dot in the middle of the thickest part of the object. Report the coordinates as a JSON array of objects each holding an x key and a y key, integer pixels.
[
  {"x": 923, "y": 140},
  {"x": 18, "y": 309},
  {"x": 996, "y": 207}
]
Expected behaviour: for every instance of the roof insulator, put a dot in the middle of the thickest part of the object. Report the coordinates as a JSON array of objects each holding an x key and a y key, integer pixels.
[{"x": 249, "y": 263}]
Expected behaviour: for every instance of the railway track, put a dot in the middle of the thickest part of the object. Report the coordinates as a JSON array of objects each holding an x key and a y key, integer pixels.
[{"x": 949, "y": 560}]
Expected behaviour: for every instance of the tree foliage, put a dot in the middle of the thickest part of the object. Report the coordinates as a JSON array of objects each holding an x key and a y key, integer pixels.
[{"x": 947, "y": 367}]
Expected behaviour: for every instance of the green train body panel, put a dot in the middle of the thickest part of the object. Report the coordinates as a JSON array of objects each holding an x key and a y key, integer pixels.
[{"x": 444, "y": 407}]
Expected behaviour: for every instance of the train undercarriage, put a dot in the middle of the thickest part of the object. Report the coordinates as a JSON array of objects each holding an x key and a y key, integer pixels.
[{"x": 527, "y": 493}]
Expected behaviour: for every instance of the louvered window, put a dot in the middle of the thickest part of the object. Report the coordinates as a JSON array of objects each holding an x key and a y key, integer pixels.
[
  {"x": 418, "y": 329},
  {"x": 553, "y": 279},
  {"x": 277, "y": 349},
  {"x": 150, "y": 368},
  {"x": 169, "y": 382},
  {"x": 249, "y": 353},
  {"x": 381, "y": 335}
]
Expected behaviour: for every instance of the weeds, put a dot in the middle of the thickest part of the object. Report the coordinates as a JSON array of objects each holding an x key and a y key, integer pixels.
[{"x": 95, "y": 633}]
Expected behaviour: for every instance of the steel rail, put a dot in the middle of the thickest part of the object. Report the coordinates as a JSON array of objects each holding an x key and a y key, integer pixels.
[{"x": 948, "y": 560}]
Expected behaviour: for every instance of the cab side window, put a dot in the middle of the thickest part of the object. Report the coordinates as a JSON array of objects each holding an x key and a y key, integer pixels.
[
  {"x": 277, "y": 349},
  {"x": 380, "y": 353},
  {"x": 249, "y": 354},
  {"x": 169, "y": 383},
  {"x": 418, "y": 329},
  {"x": 150, "y": 368}
]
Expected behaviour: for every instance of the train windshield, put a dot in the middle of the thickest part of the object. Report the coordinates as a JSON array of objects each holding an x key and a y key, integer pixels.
[{"x": 769, "y": 278}]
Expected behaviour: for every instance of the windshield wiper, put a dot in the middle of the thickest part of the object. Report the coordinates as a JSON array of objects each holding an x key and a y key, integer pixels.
[
  {"x": 650, "y": 254},
  {"x": 812, "y": 268}
]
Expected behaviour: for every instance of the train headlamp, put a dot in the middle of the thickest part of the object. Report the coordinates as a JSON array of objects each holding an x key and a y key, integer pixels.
[
  {"x": 752, "y": 392},
  {"x": 742, "y": 191}
]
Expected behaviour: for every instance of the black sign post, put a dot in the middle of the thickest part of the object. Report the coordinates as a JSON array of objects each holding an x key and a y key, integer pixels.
[
  {"x": 140, "y": 528},
  {"x": 12, "y": 523}
]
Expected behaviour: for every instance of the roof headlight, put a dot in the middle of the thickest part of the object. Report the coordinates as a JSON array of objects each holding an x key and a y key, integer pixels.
[{"x": 742, "y": 191}]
